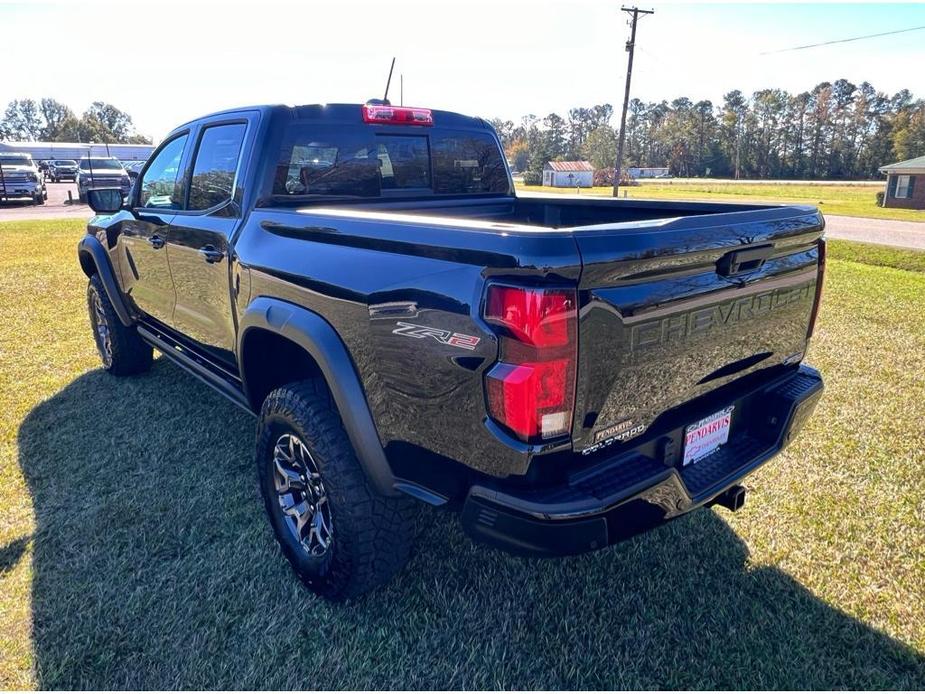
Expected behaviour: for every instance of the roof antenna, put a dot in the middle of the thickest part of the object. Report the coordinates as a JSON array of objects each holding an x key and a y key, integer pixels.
[{"x": 385, "y": 98}]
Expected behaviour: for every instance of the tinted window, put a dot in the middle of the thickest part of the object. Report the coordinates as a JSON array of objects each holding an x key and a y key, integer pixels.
[
  {"x": 12, "y": 160},
  {"x": 312, "y": 164},
  {"x": 216, "y": 162},
  {"x": 100, "y": 164},
  {"x": 404, "y": 162},
  {"x": 158, "y": 186},
  {"x": 468, "y": 164},
  {"x": 320, "y": 160}
]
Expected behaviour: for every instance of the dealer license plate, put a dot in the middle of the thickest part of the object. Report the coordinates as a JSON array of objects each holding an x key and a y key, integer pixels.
[{"x": 705, "y": 436}]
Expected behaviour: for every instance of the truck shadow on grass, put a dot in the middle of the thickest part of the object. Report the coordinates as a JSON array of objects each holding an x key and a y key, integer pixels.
[{"x": 154, "y": 568}]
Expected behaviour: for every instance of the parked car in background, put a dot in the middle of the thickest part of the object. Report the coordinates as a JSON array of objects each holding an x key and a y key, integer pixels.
[
  {"x": 21, "y": 178},
  {"x": 62, "y": 170},
  {"x": 133, "y": 168},
  {"x": 101, "y": 172}
]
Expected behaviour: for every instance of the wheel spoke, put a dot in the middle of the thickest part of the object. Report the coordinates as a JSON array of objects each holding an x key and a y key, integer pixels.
[
  {"x": 287, "y": 479},
  {"x": 281, "y": 452},
  {"x": 320, "y": 533},
  {"x": 306, "y": 519},
  {"x": 295, "y": 506}
]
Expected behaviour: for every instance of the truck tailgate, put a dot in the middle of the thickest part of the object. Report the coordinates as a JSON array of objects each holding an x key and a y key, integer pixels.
[{"x": 674, "y": 308}]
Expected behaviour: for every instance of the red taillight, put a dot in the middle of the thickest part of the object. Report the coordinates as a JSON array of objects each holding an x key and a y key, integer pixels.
[
  {"x": 531, "y": 390},
  {"x": 536, "y": 317},
  {"x": 819, "y": 282},
  {"x": 397, "y": 115}
]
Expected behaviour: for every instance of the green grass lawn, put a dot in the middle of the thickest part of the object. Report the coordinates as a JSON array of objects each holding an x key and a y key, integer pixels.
[
  {"x": 850, "y": 200},
  {"x": 134, "y": 551},
  {"x": 872, "y": 254}
]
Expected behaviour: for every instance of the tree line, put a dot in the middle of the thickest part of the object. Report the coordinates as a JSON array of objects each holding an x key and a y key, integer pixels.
[
  {"x": 838, "y": 130},
  {"x": 48, "y": 120}
]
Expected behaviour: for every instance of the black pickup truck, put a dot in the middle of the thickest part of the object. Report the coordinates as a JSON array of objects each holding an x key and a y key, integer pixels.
[{"x": 563, "y": 371}]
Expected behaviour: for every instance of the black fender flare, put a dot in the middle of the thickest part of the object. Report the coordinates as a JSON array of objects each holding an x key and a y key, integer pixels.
[
  {"x": 316, "y": 336},
  {"x": 90, "y": 250}
]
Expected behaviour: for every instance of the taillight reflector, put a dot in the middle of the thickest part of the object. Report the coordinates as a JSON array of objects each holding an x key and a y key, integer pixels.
[
  {"x": 531, "y": 390},
  {"x": 536, "y": 317},
  {"x": 397, "y": 115},
  {"x": 819, "y": 283}
]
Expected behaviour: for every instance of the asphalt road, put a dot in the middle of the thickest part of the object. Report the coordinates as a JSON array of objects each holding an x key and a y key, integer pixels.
[
  {"x": 55, "y": 207},
  {"x": 884, "y": 231},
  {"x": 887, "y": 232}
]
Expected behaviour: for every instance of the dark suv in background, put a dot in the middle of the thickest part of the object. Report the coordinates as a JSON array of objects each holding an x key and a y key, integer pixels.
[
  {"x": 101, "y": 172},
  {"x": 61, "y": 170}
]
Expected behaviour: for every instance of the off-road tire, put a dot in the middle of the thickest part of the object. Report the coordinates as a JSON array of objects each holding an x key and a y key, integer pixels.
[
  {"x": 129, "y": 354},
  {"x": 372, "y": 533}
]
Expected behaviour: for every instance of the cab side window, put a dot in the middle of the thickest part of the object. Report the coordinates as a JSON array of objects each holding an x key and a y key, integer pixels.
[
  {"x": 216, "y": 163},
  {"x": 158, "y": 186}
]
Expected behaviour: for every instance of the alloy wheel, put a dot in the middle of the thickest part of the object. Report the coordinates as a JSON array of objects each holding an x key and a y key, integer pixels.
[
  {"x": 101, "y": 330},
  {"x": 301, "y": 495}
]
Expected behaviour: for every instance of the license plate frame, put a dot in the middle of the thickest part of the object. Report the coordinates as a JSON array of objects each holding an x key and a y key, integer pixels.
[{"x": 706, "y": 436}]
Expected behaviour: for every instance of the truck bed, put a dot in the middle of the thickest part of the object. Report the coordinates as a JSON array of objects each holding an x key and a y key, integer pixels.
[
  {"x": 662, "y": 318},
  {"x": 555, "y": 211}
]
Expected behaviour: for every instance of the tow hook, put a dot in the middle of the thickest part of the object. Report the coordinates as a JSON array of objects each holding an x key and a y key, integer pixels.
[{"x": 733, "y": 498}]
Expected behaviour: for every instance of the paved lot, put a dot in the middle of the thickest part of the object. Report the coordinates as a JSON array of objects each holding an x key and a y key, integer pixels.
[
  {"x": 883, "y": 231},
  {"x": 888, "y": 232},
  {"x": 55, "y": 207}
]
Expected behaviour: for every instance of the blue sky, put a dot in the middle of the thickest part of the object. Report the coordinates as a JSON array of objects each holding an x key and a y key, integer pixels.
[{"x": 170, "y": 61}]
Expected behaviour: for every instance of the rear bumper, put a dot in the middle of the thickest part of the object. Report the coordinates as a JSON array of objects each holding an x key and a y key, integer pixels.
[{"x": 642, "y": 487}]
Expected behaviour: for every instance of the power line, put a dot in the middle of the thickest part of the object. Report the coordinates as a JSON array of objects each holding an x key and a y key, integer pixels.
[{"x": 853, "y": 38}]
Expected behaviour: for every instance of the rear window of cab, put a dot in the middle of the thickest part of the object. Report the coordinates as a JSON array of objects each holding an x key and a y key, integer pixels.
[{"x": 323, "y": 161}]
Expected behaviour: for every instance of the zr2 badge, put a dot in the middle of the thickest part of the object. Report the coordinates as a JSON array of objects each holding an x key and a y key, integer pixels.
[{"x": 443, "y": 336}]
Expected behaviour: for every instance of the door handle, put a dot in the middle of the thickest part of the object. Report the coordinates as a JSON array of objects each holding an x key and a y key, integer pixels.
[
  {"x": 211, "y": 254},
  {"x": 156, "y": 241},
  {"x": 736, "y": 262}
]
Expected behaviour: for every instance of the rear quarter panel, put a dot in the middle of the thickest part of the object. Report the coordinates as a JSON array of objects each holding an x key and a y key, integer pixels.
[{"x": 369, "y": 275}]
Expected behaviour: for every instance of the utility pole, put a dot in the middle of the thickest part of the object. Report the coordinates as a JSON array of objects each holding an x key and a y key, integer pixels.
[
  {"x": 630, "y": 47},
  {"x": 738, "y": 138}
]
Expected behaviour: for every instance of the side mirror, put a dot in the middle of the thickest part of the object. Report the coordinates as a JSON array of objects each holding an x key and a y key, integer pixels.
[{"x": 104, "y": 200}]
